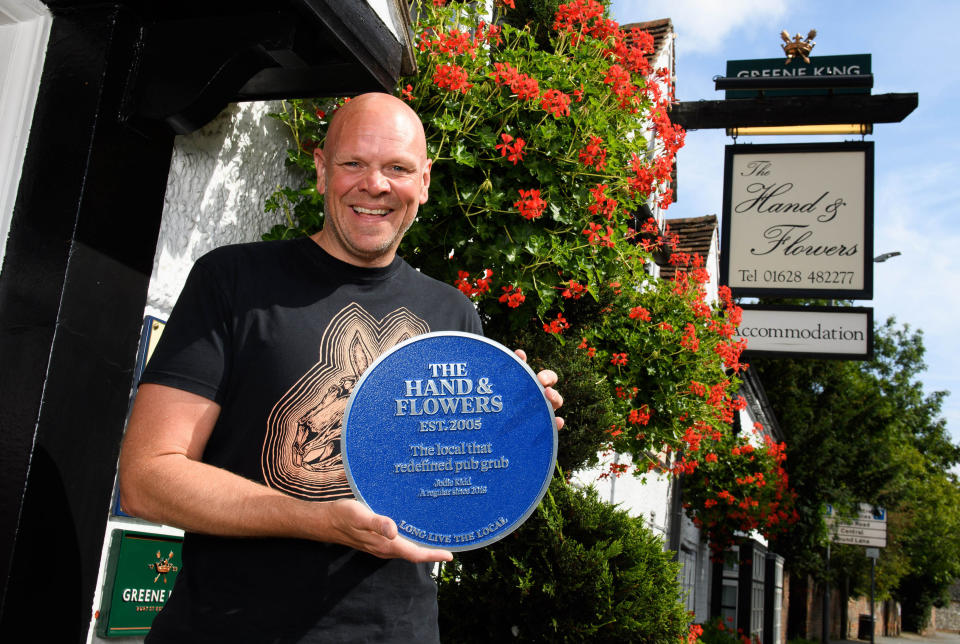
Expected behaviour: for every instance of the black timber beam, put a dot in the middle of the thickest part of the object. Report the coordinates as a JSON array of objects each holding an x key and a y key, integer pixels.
[
  {"x": 72, "y": 290},
  {"x": 358, "y": 31},
  {"x": 195, "y": 58},
  {"x": 794, "y": 110},
  {"x": 190, "y": 69},
  {"x": 338, "y": 80},
  {"x": 831, "y": 81}
]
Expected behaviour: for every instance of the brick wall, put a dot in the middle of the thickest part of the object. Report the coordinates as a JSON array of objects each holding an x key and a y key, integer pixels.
[
  {"x": 806, "y": 598},
  {"x": 948, "y": 617},
  {"x": 861, "y": 606}
]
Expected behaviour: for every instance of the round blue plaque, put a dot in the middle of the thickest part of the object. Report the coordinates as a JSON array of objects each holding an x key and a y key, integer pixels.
[{"x": 450, "y": 435}]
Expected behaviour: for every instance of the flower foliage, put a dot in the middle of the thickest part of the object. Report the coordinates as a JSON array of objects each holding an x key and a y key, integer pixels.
[
  {"x": 542, "y": 156},
  {"x": 716, "y": 632},
  {"x": 737, "y": 486}
]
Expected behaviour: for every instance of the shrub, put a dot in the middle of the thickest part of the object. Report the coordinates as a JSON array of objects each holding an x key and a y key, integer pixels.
[{"x": 578, "y": 570}]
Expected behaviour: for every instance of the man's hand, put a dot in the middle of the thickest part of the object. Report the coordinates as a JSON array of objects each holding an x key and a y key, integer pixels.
[
  {"x": 548, "y": 378},
  {"x": 353, "y": 524}
]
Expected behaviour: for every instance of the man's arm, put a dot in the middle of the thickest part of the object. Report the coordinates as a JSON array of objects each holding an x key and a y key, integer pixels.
[{"x": 162, "y": 479}]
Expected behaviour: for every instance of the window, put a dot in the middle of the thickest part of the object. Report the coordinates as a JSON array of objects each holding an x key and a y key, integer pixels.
[{"x": 688, "y": 577}]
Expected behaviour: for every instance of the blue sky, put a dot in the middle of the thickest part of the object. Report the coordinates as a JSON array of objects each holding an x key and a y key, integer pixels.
[{"x": 917, "y": 161}]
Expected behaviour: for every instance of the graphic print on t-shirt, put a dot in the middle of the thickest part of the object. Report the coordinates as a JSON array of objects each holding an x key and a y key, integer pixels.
[{"x": 301, "y": 451}]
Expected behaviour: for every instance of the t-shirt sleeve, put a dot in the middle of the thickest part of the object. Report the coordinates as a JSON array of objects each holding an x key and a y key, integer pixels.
[
  {"x": 193, "y": 353},
  {"x": 473, "y": 323}
]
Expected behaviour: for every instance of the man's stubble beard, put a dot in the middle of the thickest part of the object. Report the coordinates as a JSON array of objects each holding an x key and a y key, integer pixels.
[{"x": 344, "y": 242}]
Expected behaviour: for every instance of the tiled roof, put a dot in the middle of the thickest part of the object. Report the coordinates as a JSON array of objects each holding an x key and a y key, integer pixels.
[
  {"x": 695, "y": 235},
  {"x": 659, "y": 29}
]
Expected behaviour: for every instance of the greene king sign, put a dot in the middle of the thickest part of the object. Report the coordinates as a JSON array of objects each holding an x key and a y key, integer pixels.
[
  {"x": 847, "y": 65},
  {"x": 798, "y": 220}
]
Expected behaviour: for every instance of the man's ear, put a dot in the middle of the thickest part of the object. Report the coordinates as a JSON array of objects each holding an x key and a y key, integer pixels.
[
  {"x": 426, "y": 181},
  {"x": 321, "y": 169}
]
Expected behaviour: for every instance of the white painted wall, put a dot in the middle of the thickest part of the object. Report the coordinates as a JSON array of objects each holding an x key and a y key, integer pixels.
[
  {"x": 664, "y": 59},
  {"x": 24, "y": 31},
  {"x": 382, "y": 9},
  {"x": 647, "y": 496},
  {"x": 219, "y": 178}
]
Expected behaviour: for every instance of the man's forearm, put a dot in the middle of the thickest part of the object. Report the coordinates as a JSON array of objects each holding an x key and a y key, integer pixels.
[
  {"x": 162, "y": 479},
  {"x": 174, "y": 490}
]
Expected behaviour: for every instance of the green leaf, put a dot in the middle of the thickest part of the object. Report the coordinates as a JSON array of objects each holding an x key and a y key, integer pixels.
[{"x": 463, "y": 155}]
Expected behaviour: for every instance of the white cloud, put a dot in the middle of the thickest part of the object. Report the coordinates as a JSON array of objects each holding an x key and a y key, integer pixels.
[{"x": 702, "y": 25}]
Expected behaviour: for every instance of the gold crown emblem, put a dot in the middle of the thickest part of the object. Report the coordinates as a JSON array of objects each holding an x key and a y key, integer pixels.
[
  {"x": 162, "y": 566},
  {"x": 798, "y": 46}
]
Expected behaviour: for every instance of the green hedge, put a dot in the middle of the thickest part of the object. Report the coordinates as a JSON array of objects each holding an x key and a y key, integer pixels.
[{"x": 579, "y": 570}]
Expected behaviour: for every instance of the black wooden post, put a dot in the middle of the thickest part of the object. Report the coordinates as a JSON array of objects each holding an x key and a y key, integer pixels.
[{"x": 72, "y": 292}]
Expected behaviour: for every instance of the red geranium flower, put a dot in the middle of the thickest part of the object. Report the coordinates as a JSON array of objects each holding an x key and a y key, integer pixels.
[
  {"x": 512, "y": 152},
  {"x": 593, "y": 154},
  {"x": 574, "y": 290},
  {"x": 451, "y": 77},
  {"x": 557, "y": 326},
  {"x": 530, "y": 205},
  {"x": 555, "y": 102},
  {"x": 512, "y": 296}
]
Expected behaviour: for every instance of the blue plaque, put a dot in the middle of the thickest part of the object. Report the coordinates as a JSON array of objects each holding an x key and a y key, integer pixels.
[{"x": 450, "y": 435}]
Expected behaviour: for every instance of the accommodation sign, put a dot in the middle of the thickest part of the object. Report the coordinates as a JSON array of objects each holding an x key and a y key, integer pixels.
[
  {"x": 798, "y": 220},
  {"x": 821, "y": 332}
]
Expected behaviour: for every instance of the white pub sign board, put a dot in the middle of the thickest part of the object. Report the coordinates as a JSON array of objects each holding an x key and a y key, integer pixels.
[{"x": 798, "y": 220}]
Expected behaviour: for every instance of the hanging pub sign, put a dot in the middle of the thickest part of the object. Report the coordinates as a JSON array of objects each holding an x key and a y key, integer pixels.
[
  {"x": 798, "y": 220},
  {"x": 822, "y": 332}
]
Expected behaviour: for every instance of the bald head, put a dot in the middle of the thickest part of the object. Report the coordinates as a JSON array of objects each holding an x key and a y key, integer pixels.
[
  {"x": 374, "y": 174},
  {"x": 383, "y": 109}
]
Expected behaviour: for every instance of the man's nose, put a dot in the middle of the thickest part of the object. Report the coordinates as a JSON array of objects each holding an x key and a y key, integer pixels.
[{"x": 374, "y": 182}]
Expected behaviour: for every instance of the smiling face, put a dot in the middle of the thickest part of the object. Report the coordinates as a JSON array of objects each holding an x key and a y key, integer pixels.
[{"x": 374, "y": 173}]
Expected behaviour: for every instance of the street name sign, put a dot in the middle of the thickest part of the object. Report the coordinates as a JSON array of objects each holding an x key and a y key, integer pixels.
[{"x": 868, "y": 528}]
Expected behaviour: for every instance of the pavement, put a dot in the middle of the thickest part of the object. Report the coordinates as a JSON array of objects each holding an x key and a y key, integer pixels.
[{"x": 909, "y": 638}]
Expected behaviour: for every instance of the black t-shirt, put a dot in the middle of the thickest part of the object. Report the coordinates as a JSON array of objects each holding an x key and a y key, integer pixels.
[{"x": 277, "y": 334}]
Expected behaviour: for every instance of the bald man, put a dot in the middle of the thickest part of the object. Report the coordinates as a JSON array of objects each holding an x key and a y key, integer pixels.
[{"x": 234, "y": 435}]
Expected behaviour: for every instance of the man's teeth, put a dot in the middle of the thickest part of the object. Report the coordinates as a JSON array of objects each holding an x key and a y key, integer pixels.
[{"x": 371, "y": 211}]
